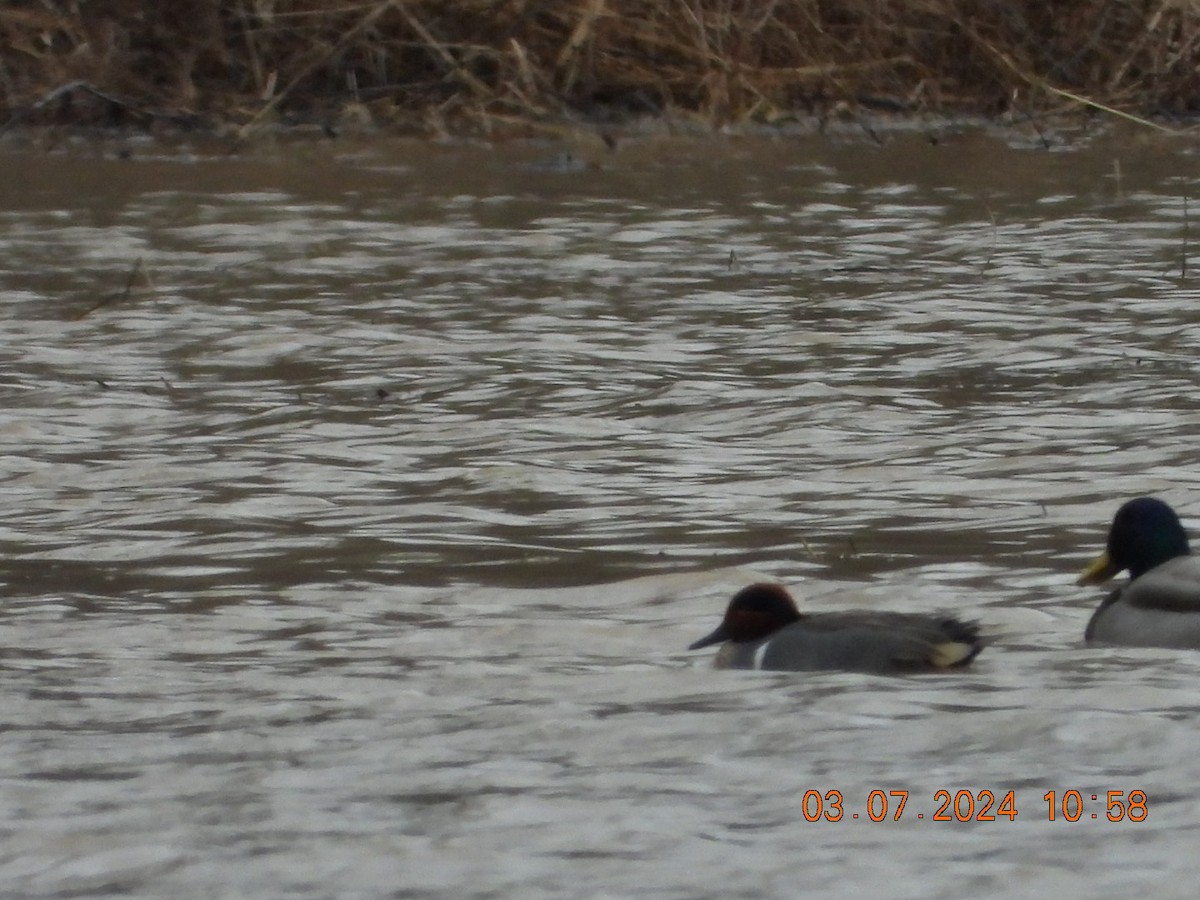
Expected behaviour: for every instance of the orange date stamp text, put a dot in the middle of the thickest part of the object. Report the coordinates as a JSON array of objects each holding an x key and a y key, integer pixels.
[{"x": 976, "y": 806}]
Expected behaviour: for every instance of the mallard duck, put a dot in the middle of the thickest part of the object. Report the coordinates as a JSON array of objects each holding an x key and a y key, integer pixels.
[
  {"x": 1160, "y": 604},
  {"x": 762, "y": 629}
]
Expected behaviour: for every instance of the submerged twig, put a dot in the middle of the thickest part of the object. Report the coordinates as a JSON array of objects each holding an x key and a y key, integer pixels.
[
  {"x": 1183, "y": 251},
  {"x": 171, "y": 390},
  {"x": 121, "y": 296},
  {"x": 995, "y": 240}
]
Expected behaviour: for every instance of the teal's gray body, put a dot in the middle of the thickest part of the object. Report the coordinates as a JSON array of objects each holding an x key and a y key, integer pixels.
[{"x": 885, "y": 643}]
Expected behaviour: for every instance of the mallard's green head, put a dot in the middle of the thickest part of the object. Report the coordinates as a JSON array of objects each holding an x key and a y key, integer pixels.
[{"x": 1145, "y": 533}]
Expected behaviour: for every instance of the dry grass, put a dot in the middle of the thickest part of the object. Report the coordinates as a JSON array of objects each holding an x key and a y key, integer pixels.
[{"x": 453, "y": 65}]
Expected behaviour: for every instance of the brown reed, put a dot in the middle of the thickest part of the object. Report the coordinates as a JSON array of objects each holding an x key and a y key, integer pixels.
[{"x": 453, "y": 65}]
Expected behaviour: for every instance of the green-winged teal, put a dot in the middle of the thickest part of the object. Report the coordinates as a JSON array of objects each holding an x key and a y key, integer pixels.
[{"x": 762, "y": 629}]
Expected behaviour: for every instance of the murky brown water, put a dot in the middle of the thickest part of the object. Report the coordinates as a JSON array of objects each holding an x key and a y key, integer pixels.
[{"x": 353, "y": 553}]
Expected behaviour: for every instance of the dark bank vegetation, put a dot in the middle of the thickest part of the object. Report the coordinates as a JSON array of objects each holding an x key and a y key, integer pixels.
[{"x": 444, "y": 66}]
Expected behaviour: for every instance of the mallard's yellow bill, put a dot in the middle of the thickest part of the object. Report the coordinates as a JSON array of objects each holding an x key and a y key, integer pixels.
[{"x": 1099, "y": 571}]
